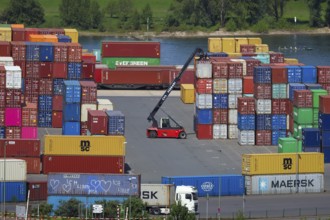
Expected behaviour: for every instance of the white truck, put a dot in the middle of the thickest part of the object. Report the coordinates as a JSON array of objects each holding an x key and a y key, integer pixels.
[{"x": 159, "y": 197}]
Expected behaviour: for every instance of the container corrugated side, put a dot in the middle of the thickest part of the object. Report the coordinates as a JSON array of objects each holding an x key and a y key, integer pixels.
[
  {"x": 73, "y": 34},
  {"x": 84, "y": 145},
  {"x": 15, "y": 170},
  {"x": 38, "y": 190},
  {"x": 286, "y": 163},
  {"x": 163, "y": 194},
  {"x": 112, "y": 62},
  {"x": 5, "y": 34},
  {"x": 15, "y": 191},
  {"x": 187, "y": 93},
  {"x": 104, "y": 104},
  {"x": 284, "y": 184}
]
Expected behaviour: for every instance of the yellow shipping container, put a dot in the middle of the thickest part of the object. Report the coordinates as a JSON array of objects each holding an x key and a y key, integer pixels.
[
  {"x": 234, "y": 55},
  {"x": 291, "y": 60},
  {"x": 274, "y": 163},
  {"x": 85, "y": 145},
  {"x": 73, "y": 33},
  {"x": 239, "y": 41},
  {"x": 228, "y": 45},
  {"x": 5, "y": 34},
  {"x": 254, "y": 40},
  {"x": 262, "y": 48},
  {"x": 214, "y": 44},
  {"x": 187, "y": 93}
]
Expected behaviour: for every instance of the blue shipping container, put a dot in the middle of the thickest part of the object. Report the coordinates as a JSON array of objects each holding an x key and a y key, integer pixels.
[
  {"x": 262, "y": 74},
  {"x": 311, "y": 149},
  {"x": 58, "y": 86},
  {"x": 204, "y": 116},
  {"x": 71, "y": 128},
  {"x": 45, "y": 103},
  {"x": 278, "y": 122},
  {"x": 311, "y": 86},
  {"x": 116, "y": 122},
  {"x": 324, "y": 121},
  {"x": 214, "y": 185},
  {"x": 326, "y": 152},
  {"x": 72, "y": 91},
  {"x": 94, "y": 184},
  {"x": 277, "y": 135},
  {"x": 45, "y": 119},
  {"x": 220, "y": 101},
  {"x": 74, "y": 70},
  {"x": 32, "y": 51},
  {"x": 246, "y": 122},
  {"x": 71, "y": 112},
  {"x": 2, "y": 132},
  {"x": 264, "y": 122},
  {"x": 15, "y": 192},
  {"x": 216, "y": 54},
  {"x": 325, "y": 138},
  {"x": 46, "y": 52},
  {"x": 308, "y": 74},
  {"x": 64, "y": 38},
  {"x": 294, "y": 74},
  {"x": 295, "y": 86},
  {"x": 311, "y": 137}
]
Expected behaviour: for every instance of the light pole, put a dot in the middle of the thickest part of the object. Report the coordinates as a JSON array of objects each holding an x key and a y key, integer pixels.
[{"x": 130, "y": 199}]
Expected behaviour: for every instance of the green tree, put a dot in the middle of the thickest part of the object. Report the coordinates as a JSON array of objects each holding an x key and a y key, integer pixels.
[
  {"x": 112, "y": 8},
  {"x": 179, "y": 212},
  {"x": 315, "y": 19},
  {"x": 68, "y": 208},
  {"x": 327, "y": 14},
  {"x": 137, "y": 206},
  {"x": 28, "y": 12},
  {"x": 44, "y": 209},
  {"x": 124, "y": 9},
  {"x": 97, "y": 15},
  {"x": 134, "y": 21},
  {"x": 109, "y": 207},
  {"x": 146, "y": 16}
]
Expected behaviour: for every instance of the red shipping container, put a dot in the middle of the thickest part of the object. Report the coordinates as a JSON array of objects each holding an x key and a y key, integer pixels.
[
  {"x": 18, "y": 50},
  {"x": 279, "y": 74},
  {"x": 88, "y": 58},
  {"x": 5, "y": 49},
  {"x": 220, "y": 116},
  {"x": 74, "y": 52},
  {"x": 2, "y": 77},
  {"x": 323, "y": 74},
  {"x": 30, "y": 115},
  {"x": 276, "y": 57},
  {"x": 246, "y": 105},
  {"x": 46, "y": 86},
  {"x": 235, "y": 70},
  {"x": 303, "y": 98},
  {"x": 2, "y": 98},
  {"x": 220, "y": 70},
  {"x": 18, "y": 34},
  {"x": 250, "y": 64},
  {"x": 187, "y": 78},
  {"x": 280, "y": 106},
  {"x": 57, "y": 119},
  {"x": 13, "y": 132},
  {"x": 291, "y": 124},
  {"x": 31, "y": 90},
  {"x": 204, "y": 86},
  {"x": 98, "y": 72},
  {"x": 20, "y": 148},
  {"x": 263, "y": 137},
  {"x": 130, "y": 49},
  {"x": 248, "y": 85},
  {"x": 29, "y": 31},
  {"x": 32, "y": 69},
  {"x": 38, "y": 190},
  {"x": 83, "y": 164},
  {"x": 204, "y": 131},
  {"x": 247, "y": 48},
  {"x": 263, "y": 90},
  {"x": 326, "y": 86},
  {"x": 88, "y": 92},
  {"x": 88, "y": 69},
  {"x": 29, "y": 132},
  {"x": 57, "y": 102},
  {"x": 60, "y": 70},
  {"x": 2, "y": 116},
  {"x": 60, "y": 52},
  {"x": 83, "y": 128},
  {"x": 13, "y": 98},
  {"x": 324, "y": 104},
  {"x": 97, "y": 122},
  {"x": 33, "y": 165},
  {"x": 46, "y": 69},
  {"x": 22, "y": 64}
]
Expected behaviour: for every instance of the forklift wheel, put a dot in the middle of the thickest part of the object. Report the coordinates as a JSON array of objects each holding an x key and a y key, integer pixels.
[
  {"x": 182, "y": 135},
  {"x": 152, "y": 134}
]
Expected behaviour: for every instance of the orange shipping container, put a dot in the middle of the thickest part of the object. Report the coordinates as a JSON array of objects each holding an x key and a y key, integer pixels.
[
  {"x": 36, "y": 38},
  {"x": 50, "y": 38},
  {"x": 17, "y": 25}
]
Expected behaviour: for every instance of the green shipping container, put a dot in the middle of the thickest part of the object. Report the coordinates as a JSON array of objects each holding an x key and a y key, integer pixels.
[
  {"x": 315, "y": 115},
  {"x": 303, "y": 115},
  {"x": 297, "y": 129},
  {"x": 112, "y": 62},
  {"x": 287, "y": 145},
  {"x": 5, "y": 25},
  {"x": 279, "y": 91},
  {"x": 316, "y": 96}
]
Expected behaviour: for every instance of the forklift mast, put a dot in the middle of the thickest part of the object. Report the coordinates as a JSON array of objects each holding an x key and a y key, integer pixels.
[{"x": 200, "y": 53}]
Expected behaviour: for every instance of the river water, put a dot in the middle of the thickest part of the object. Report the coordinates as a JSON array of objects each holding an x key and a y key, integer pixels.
[{"x": 310, "y": 49}]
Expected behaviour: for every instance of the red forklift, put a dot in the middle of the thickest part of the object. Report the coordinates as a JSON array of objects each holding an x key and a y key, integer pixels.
[{"x": 164, "y": 129}]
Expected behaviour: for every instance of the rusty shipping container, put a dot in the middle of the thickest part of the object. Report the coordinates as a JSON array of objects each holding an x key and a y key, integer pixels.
[
  {"x": 2, "y": 77},
  {"x": 220, "y": 70},
  {"x": 20, "y": 147},
  {"x": 303, "y": 98},
  {"x": 88, "y": 92},
  {"x": 31, "y": 90},
  {"x": 88, "y": 69},
  {"x": 5, "y": 49},
  {"x": 32, "y": 69},
  {"x": 57, "y": 119},
  {"x": 263, "y": 137},
  {"x": 280, "y": 106},
  {"x": 30, "y": 115},
  {"x": 325, "y": 104},
  {"x": 83, "y": 164},
  {"x": 246, "y": 105},
  {"x": 279, "y": 74},
  {"x": 13, "y": 98},
  {"x": 46, "y": 69},
  {"x": 74, "y": 52},
  {"x": 18, "y": 50},
  {"x": 263, "y": 90},
  {"x": 235, "y": 70},
  {"x": 13, "y": 132},
  {"x": 33, "y": 164},
  {"x": 60, "y": 52},
  {"x": 323, "y": 74},
  {"x": 204, "y": 86},
  {"x": 18, "y": 34},
  {"x": 57, "y": 103},
  {"x": 60, "y": 70},
  {"x": 2, "y": 98},
  {"x": 130, "y": 49},
  {"x": 38, "y": 190},
  {"x": 220, "y": 116},
  {"x": 46, "y": 86},
  {"x": 97, "y": 122},
  {"x": 22, "y": 65}
]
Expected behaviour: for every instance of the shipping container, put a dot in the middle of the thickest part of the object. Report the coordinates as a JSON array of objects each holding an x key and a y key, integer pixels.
[
  {"x": 30, "y": 115},
  {"x": 232, "y": 131},
  {"x": 232, "y": 116},
  {"x": 235, "y": 86},
  {"x": 45, "y": 119},
  {"x": 246, "y": 137},
  {"x": 247, "y": 48},
  {"x": 263, "y": 90},
  {"x": 13, "y": 77},
  {"x": 70, "y": 127},
  {"x": 228, "y": 45},
  {"x": 203, "y": 116},
  {"x": 84, "y": 111},
  {"x": 235, "y": 69},
  {"x": 220, "y": 116},
  {"x": 263, "y": 137},
  {"x": 32, "y": 69},
  {"x": 57, "y": 102},
  {"x": 5, "y": 34},
  {"x": 303, "y": 99},
  {"x": 72, "y": 91},
  {"x": 324, "y": 121},
  {"x": 220, "y": 86},
  {"x": 5, "y": 49},
  {"x": 97, "y": 122},
  {"x": 220, "y": 131},
  {"x": 286, "y": 163},
  {"x": 113, "y": 62},
  {"x": 104, "y": 104},
  {"x": 297, "y": 129},
  {"x": 288, "y": 145},
  {"x": 276, "y": 57},
  {"x": 15, "y": 191},
  {"x": 214, "y": 44},
  {"x": 246, "y": 105},
  {"x": 232, "y": 100},
  {"x": 45, "y": 103},
  {"x": 316, "y": 94},
  {"x": 308, "y": 74},
  {"x": 33, "y": 165},
  {"x": 73, "y": 34},
  {"x": 20, "y": 147},
  {"x": 130, "y": 49},
  {"x": 88, "y": 92},
  {"x": 83, "y": 164},
  {"x": 279, "y": 91},
  {"x": 323, "y": 74},
  {"x": 13, "y": 117},
  {"x": 311, "y": 137},
  {"x": 213, "y": 185},
  {"x": 60, "y": 52},
  {"x": 248, "y": 85},
  {"x": 87, "y": 70},
  {"x": 64, "y": 39},
  {"x": 220, "y": 101},
  {"x": 116, "y": 122},
  {"x": 74, "y": 71},
  {"x": 187, "y": 94},
  {"x": 324, "y": 104},
  {"x": 279, "y": 74},
  {"x": 38, "y": 190},
  {"x": 204, "y": 131},
  {"x": 29, "y": 132},
  {"x": 13, "y": 98},
  {"x": 18, "y": 34},
  {"x": 276, "y": 135},
  {"x": 204, "y": 101},
  {"x": 325, "y": 136},
  {"x": 74, "y": 52},
  {"x": 294, "y": 86},
  {"x": 57, "y": 119},
  {"x": 58, "y": 88},
  {"x": 279, "y": 122},
  {"x": 284, "y": 184},
  {"x": 15, "y": 170},
  {"x": 246, "y": 122},
  {"x": 204, "y": 86},
  {"x": 263, "y": 122},
  {"x": 303, "y": 115},
  {"x": 219, "y": 70}
]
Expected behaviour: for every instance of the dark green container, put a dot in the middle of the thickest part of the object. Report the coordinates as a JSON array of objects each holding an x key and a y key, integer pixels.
[
  {"x": 303, "y": 115},
  {"x": 297, "y": 129},
  {"x": 316, "y": 96},
  {"x": 111, "y": 62}
]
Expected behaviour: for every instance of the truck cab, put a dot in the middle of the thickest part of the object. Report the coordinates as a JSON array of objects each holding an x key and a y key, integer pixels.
[{"x": 187, "y": 196}]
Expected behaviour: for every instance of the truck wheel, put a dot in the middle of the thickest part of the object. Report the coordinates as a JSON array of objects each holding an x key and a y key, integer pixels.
[
  {"x": 182, "y": 135},
  {"x": 152, "y": 134},
  {"x": 156, "y": 211}
]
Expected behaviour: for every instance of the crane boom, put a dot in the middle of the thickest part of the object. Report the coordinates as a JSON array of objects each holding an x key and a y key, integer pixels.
[{"x": 170, "y": 88}]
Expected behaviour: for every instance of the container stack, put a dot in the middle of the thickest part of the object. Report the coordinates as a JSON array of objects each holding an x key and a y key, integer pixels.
[
  {"x": 88, "y": 102},
  {"x": 324, "y": 126},
  {"x": 246, "y": 121}
]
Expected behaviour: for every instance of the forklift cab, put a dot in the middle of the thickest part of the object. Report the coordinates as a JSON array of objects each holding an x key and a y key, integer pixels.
[{"x": 165, "y": 123}]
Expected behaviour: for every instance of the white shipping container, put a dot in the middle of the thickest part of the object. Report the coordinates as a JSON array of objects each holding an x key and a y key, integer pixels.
[
  {"x": 104, "y": 104},
  {"x": 204, "y": 101},
  {"x": 220, "y": 86},
  {"x": 235, "y": 86},
  {"x": 232, "y": 116},
  {"x": 15, "y": 170},
  {"x": 232, "y": 100},
  {"x": 243, "y": 62},
  {"x": 165, "y": 194},
  {"x": 13, "y": 77},
  {"x": 84, "y": 111},
  {"x": 6, "y": 61},
  {"x": 264, "y": 106},
  {"x": 232, "y": 131},
  {"x": 284, "y": 184},
  {"x": 204, "y": 70},
  {"x": 246, "y": 137},
  {"x": 220, "y": 131}
]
